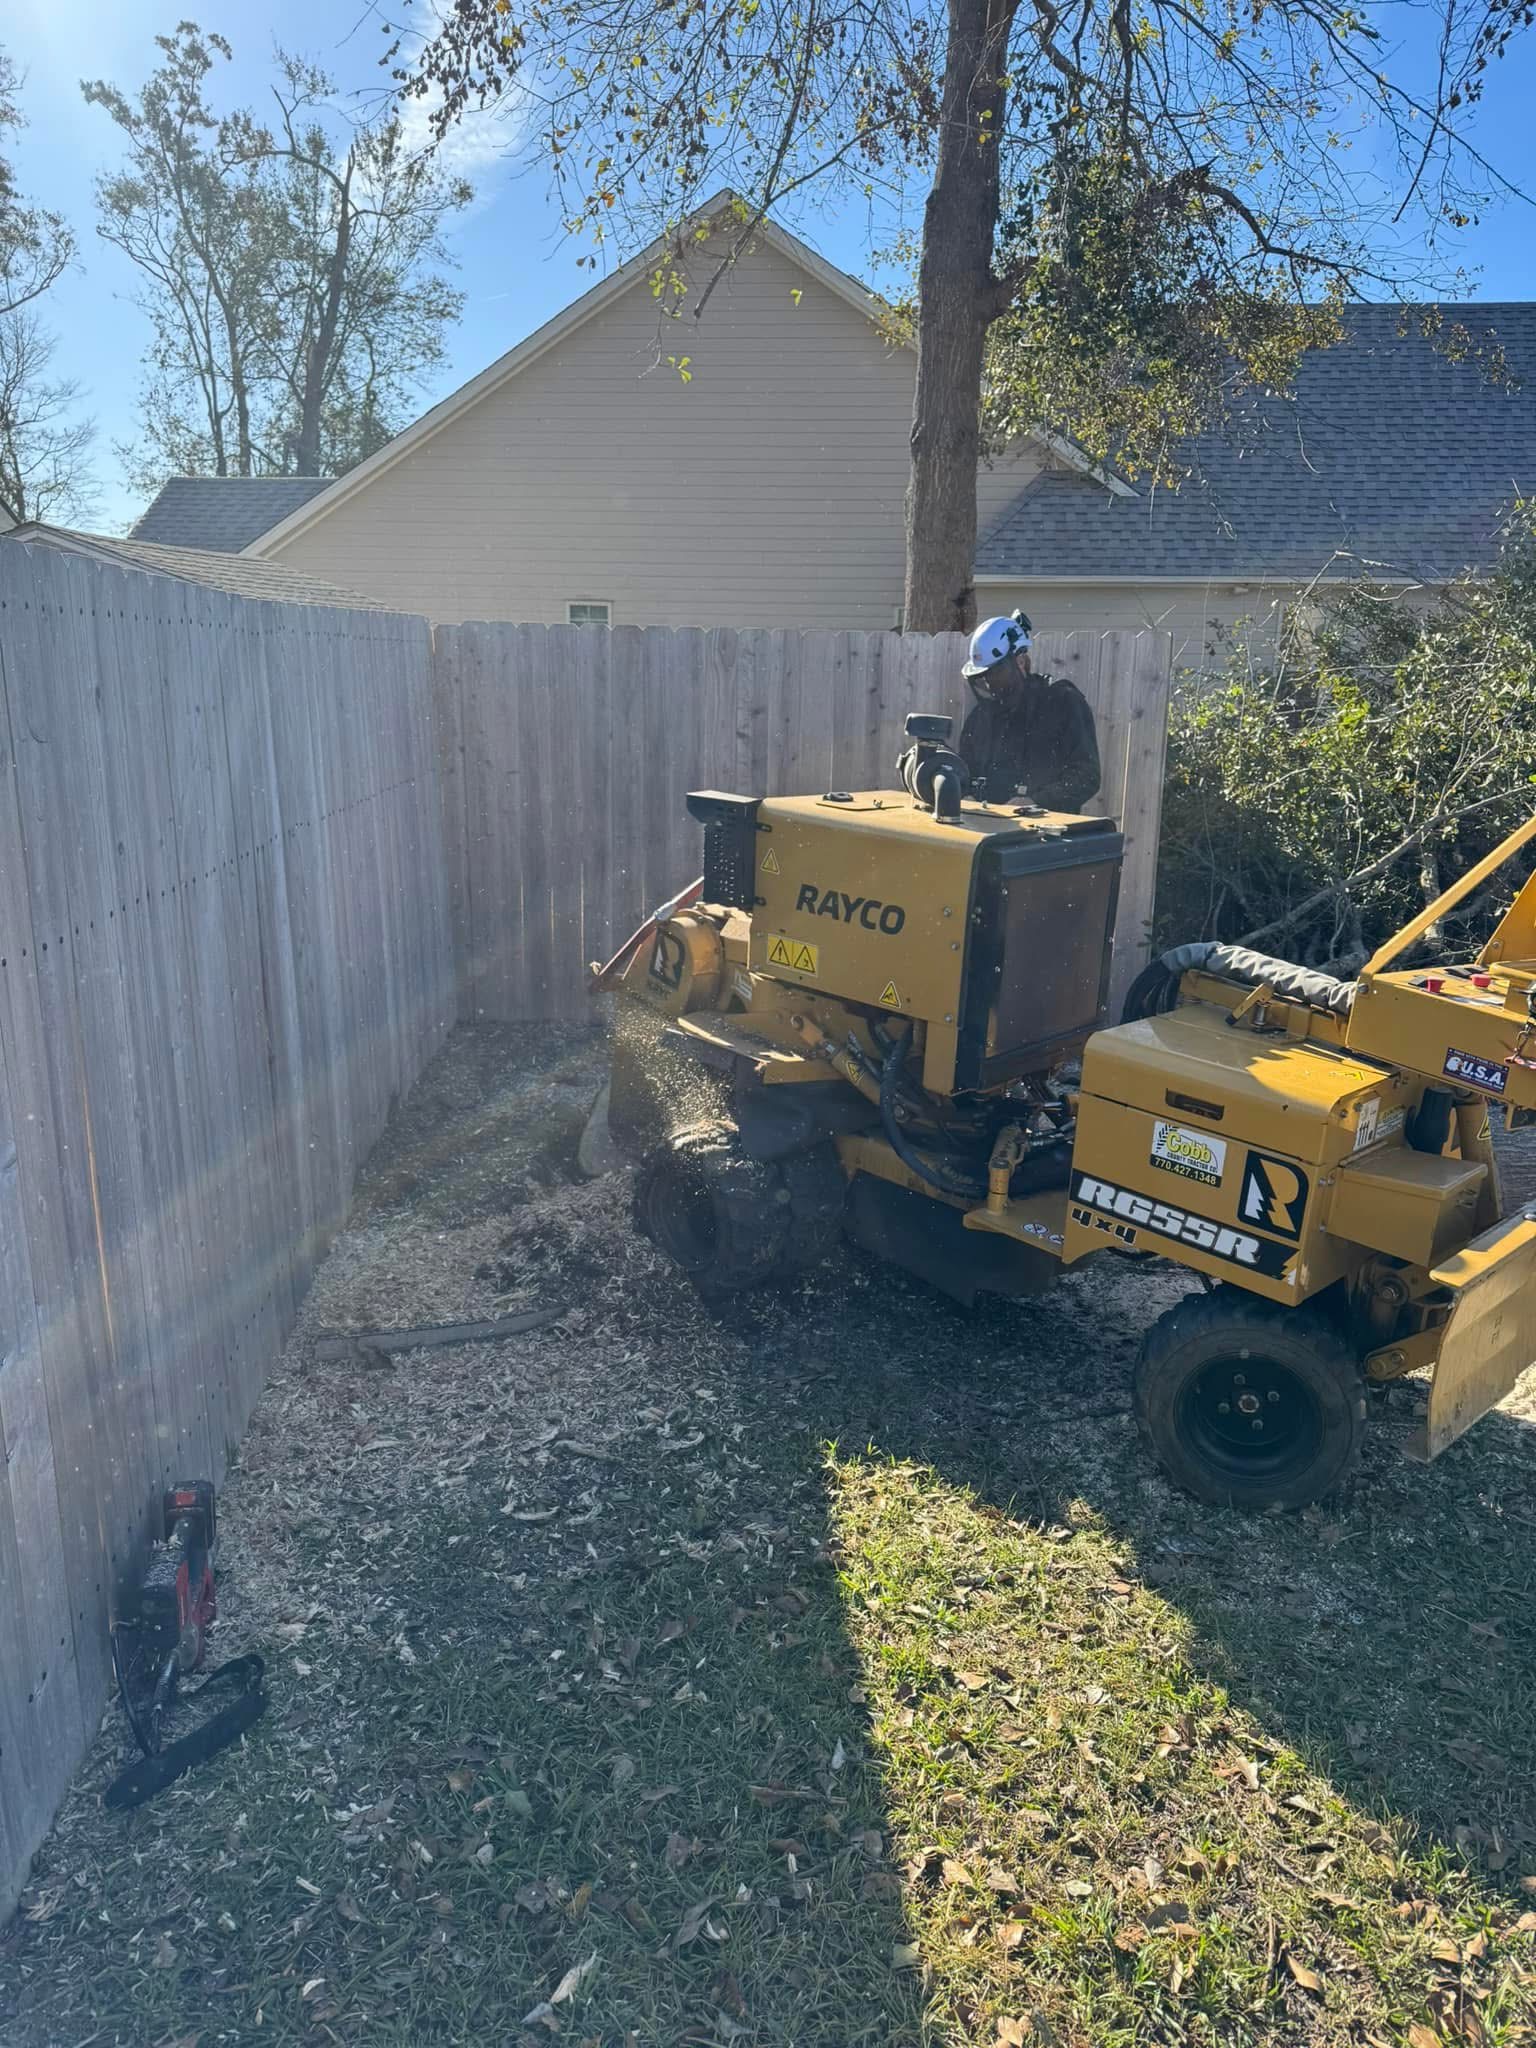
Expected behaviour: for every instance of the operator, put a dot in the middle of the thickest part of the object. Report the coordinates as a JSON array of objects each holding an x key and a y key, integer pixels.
[{"x": 1026, "y": 733}]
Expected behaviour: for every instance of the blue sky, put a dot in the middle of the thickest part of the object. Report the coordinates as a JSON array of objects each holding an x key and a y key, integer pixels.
[{"x": 515, "y": 266}]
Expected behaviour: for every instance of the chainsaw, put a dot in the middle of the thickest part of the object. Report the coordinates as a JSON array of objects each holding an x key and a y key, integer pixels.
[{"x": 166, "y": 1640}]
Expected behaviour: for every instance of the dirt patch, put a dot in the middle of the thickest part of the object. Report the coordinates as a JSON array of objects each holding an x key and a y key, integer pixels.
[{"x": 586, "y": 1646}]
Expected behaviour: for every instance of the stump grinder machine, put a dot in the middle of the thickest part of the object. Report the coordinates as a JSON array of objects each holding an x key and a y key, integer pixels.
[{"x": 882, "y": 1013}]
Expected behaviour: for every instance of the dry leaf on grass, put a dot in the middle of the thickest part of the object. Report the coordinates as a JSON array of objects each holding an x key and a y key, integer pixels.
[
  {"x": 696, "y": 1921},
  {"x": 905, "y": 1955},
  {"x": 573, "y": 1980},
  {"x": 1011, "y": 1934},
  {"x": 1013, "y": 2033},
  {"x": 1307, "y": 1978}
]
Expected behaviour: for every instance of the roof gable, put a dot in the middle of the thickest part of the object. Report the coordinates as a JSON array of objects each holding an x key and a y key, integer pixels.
[
  {"x": 1387, "y": 458},
  {"x": 591, "y": 304}
]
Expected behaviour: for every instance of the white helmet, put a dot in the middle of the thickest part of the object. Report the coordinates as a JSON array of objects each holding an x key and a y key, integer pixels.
[{"x": 995, "y": 640}]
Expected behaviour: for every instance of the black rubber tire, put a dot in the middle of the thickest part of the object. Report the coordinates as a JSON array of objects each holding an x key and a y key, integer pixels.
[
  {"x": 1232, "y": 1348},
  {"x": 732, "y": 1222}
]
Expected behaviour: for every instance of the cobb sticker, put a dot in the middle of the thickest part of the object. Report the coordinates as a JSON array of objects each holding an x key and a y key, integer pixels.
[{"x": 1192, "y": 1155}]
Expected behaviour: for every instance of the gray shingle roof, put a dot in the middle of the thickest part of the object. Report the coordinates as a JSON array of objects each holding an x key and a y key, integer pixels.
[
  {"x": 1386, "y": 456},
  {"x": 222, "y": 513},
  {"x": 240, "y": 575}
]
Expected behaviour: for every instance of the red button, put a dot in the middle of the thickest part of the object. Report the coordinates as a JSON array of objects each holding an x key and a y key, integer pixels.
[
  {"x": 1482, "y": 981},
  {"x": 1433, "y": 983}
]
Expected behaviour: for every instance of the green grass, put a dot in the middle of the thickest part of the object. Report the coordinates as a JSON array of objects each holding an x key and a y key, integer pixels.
[{"x": 849, "y": 1679}]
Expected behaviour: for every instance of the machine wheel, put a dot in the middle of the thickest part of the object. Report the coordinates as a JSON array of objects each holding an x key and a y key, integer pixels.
[
  {"x": 733, "y": 1222},
  {"x": 1250, "y": 1405}
]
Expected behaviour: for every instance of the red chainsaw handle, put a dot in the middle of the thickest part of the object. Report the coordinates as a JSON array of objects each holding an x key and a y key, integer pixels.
[{"x": 604, "y": 975}]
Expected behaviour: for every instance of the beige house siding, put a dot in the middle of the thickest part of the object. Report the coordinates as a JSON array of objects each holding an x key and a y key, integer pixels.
[
  {"x": 766, "y": 490},
  {"x": 1207, "y": 620}
]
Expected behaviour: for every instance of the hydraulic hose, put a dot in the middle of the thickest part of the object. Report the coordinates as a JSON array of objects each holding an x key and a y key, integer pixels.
[
  {"x": 1156, "y": 988},
  {"x": 906, "y": 1152}
]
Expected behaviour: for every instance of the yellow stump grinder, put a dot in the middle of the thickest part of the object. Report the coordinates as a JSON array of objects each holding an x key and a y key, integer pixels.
[{"x": 882, "y": 1013}]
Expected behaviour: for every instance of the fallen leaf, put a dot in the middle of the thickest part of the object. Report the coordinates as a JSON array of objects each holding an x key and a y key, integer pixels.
[
  {"x": 1308, "y": 1979},
  {"x": 1011, "y": 1933},
  {"x": 839, "y": 1755},
  {"x": 1076, "y": 1888},
  {"x": 1446, "y": 1952},
  {"x": 670, "y": 1632},
  {"x": 348, "y": 1907},
  {"x": 623, "y": 1771},
  {"x": 1420, "y": 2036},
  {"x": 1129, "y": 1937},
  {"x": 905, "y": 1955},
  {"x": 955, "y": 1872},
  {"x": 973, "y": 1681},
  {"x": 680, "y": 1848},
  {"x": 1013, "y": 2033},
  {"x": 165, "y": 1953},
  {"x": 460, "y": 1780},
  {"x": 696, "y": 1921},
  {"x": 573, "y": 1980}
]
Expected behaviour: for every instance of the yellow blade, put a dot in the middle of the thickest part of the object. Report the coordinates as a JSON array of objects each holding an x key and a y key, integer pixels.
[{"x": 1491, "y": 1336}]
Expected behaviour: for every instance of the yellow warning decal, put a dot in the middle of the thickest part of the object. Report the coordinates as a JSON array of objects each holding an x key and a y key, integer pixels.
[
  {"x": 889, "y": 997},
  {"x": 770, "y": 862},
  {"x": 794, "y": 954}
]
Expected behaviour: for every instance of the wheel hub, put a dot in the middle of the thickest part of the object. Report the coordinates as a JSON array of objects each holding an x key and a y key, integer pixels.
[{"x": 1248, "y": 1411}]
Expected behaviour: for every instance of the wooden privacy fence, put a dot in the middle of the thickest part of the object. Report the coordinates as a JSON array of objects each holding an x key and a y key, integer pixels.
[
  {"x": 224, "y": 951},
  {"x": 568, "y": 752}
]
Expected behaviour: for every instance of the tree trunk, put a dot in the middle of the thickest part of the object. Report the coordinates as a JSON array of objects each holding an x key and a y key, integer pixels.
[
  {"x": 317, "y": 358},
  {"x": 958, "y": 298}
]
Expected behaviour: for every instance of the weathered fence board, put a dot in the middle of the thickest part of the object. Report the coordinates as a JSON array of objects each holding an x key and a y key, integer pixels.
[
  {"x": 568, "y": 753},
  {"x": 226, "y": 946}
]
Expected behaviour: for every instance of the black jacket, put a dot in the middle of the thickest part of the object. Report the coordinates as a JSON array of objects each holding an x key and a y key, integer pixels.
[{"x": 1039, "y": 738}]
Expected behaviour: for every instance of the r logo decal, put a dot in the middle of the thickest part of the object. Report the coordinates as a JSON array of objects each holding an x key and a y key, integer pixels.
[{"x": 1274, "y": 1195}]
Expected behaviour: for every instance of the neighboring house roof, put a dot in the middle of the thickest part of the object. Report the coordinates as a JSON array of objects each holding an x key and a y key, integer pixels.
[
  {"x": 587, "y": 307},
  {"x": 222, "y": 514},
  {"x": 240, "y": 575},
  {"x": 1387, "y": 458}
]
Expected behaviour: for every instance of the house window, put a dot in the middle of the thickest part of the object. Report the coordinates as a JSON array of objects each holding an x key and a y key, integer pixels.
[{"x": 588, "y": 612}]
